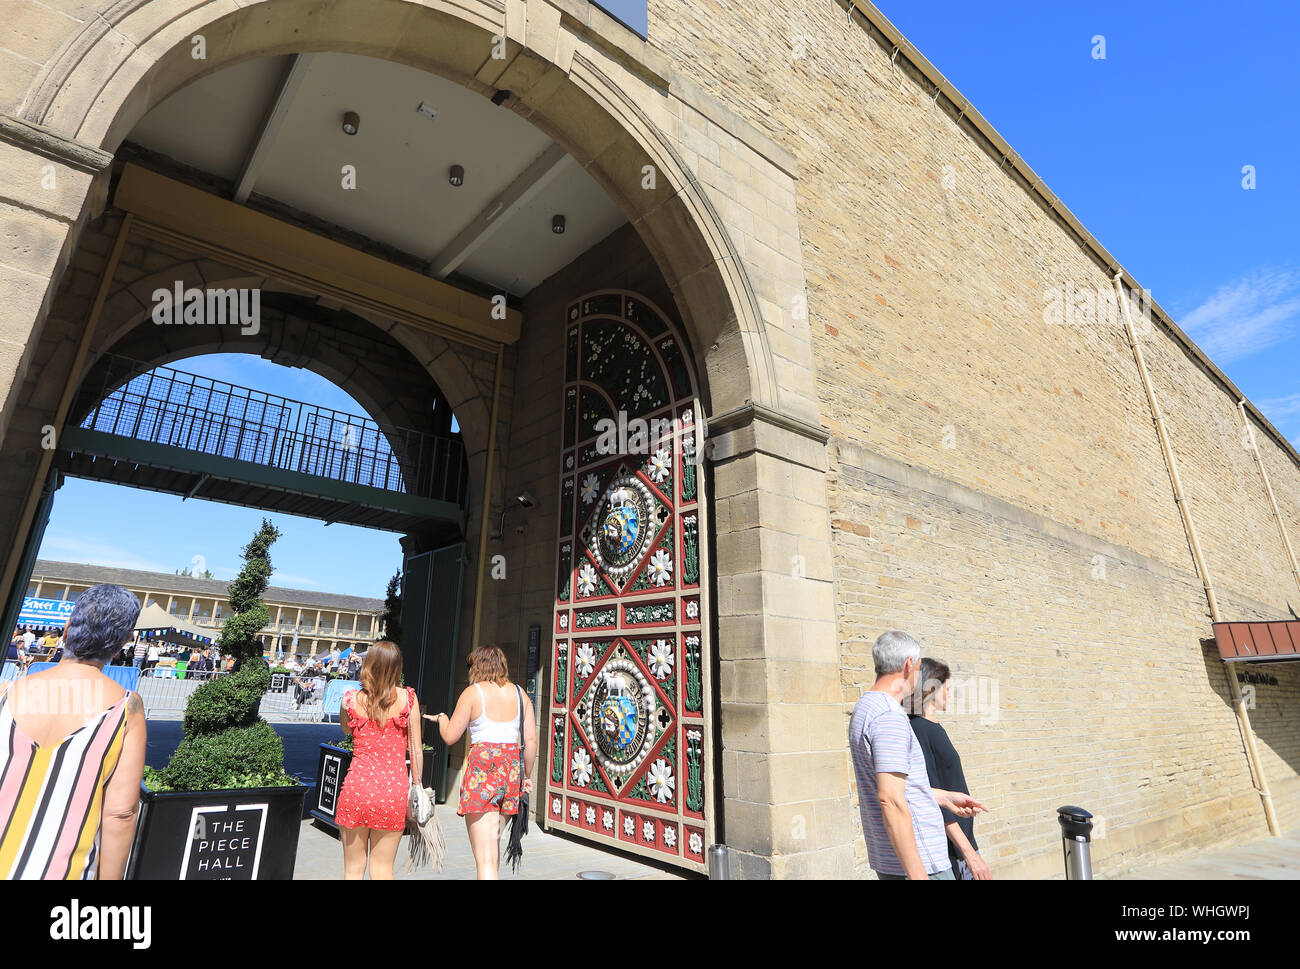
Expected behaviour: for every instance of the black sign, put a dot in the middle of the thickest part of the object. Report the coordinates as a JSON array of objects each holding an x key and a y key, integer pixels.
[
  {"x": 534, "y": 649},
  {"x": 225, "y": 842},
  {"x": 331, "y": 779}
]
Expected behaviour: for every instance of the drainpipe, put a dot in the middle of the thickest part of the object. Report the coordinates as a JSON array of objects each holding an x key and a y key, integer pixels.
[
  {"x": 487, "y": 500},
  {"x": 1272, "y": 499},
  {"x": 1258, "y": 779}
]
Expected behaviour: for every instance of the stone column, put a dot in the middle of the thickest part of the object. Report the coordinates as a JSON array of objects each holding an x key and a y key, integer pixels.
[
  {"x": 785, "y": 764},
  {"x": 47, "y": 180}
]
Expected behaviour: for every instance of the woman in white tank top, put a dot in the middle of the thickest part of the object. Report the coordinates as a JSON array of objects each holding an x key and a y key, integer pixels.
[{"x": 491, "y": 785}]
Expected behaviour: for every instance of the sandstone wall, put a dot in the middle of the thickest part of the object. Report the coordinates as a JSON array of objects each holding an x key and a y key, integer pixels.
[{"x": 996, "y": 484}]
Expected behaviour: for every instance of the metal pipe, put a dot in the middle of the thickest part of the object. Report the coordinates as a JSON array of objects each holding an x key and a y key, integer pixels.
[
  {"x": 1258, "y": 779},
  {"x": 1268, "y": 487},
  {"x": 487, "y": 491},
  {"x": 719, "y": 863}
]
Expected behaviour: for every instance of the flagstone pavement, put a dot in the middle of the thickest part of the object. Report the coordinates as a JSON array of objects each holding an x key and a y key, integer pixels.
[
  {"x": 320, "y": 856},
  {"x": 546, "y": 856},
  {"x": 1273, "y": 859}
]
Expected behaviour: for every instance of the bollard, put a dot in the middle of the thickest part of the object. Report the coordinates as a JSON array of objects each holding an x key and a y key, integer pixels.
[
  {"x": 1076, "y": 841},
  {"x": 719, "y": 865}
]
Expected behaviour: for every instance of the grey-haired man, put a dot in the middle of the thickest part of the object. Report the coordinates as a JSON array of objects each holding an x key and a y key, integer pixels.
[{"x": 901, "y": 820}]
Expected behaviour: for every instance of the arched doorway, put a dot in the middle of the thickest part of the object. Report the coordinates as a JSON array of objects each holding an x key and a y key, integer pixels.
[{"x": 615, "y": 115}]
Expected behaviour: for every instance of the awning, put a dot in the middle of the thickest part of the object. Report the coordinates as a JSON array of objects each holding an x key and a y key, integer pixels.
[
  {"x": 156, "y": 625},
  {"x": 1258, "y": 641}
]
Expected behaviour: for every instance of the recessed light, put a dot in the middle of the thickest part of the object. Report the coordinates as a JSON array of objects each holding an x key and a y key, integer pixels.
[
  {"x": 351, "y": 122},
  {"x": 457, "y": 175},
  {"x": 557, "y": 225}
]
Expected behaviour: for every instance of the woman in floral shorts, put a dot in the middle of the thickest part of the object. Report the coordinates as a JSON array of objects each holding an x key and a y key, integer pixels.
[{"x": 490, "y": 786}]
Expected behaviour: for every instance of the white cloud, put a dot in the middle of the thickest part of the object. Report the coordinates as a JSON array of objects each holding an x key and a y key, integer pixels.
[
  {"x": 287, "y": 580},
  {"x": 1279, "y": 409},
  {"x": 65, "y": 548},
  {"x": 1247, "y": 315}
]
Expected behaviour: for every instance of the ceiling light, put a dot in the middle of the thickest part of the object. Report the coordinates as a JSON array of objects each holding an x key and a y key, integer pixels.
[
  {"x": 351, "y": 122},
  {"x": 426, "y": 109},
  {"x": 557, "y": 225},
  {"x": 457, "y": 175}
]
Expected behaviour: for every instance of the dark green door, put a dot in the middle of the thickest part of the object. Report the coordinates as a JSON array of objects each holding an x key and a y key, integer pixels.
[{"x": 431, "y": 588}]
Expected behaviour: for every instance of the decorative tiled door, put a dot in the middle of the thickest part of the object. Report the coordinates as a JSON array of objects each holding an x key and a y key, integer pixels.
[{"x": 630, "y": 699}]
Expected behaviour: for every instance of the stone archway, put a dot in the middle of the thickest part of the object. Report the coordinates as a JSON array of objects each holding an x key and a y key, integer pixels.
[
  {"x": 125, "y": 329},
  {"x": 134, "y": 54},
  {"x": 611, "y": 101}
]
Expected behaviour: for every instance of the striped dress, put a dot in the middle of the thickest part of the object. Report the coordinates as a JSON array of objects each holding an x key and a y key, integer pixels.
[{"x": 51, "y": 798}]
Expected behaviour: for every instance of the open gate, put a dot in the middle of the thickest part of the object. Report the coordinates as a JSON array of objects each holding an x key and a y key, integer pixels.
[{"x": 630, "y": 703}]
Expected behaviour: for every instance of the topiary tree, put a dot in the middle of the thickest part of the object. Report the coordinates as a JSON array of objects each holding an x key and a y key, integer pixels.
[
  {"x": 392, "y": 617},
  {"x": 226, "y": 743}
]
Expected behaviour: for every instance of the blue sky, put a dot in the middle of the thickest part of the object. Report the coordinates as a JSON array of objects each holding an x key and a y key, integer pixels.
[
  {"x": 162, "y": 533},
  {"x": 632, "y": 12},
  {"x": 1147, "y": 148}
]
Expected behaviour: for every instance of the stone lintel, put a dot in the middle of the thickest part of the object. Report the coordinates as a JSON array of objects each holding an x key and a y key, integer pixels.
[{"x": 54, "y": 146}]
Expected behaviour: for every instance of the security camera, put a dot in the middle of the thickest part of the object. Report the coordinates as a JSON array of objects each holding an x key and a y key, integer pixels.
[{"x": 521, "y": 500}]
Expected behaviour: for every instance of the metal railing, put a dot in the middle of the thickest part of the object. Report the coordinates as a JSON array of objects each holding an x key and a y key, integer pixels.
[
  {"x": 171, "y": 407},
  {"x": 166, "y": 690}
]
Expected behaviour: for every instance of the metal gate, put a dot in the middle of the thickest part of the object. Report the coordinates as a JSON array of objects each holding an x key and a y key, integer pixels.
[
  {"x": 630, "y": 713},
  {"x": 431, "y": 587}
]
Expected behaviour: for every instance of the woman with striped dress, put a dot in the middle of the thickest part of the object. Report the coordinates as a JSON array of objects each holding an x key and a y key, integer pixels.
[{"x": 72, "y": 748}]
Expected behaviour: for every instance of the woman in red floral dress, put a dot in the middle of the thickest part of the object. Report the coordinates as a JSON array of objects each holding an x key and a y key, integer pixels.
[
  {"x": 490, "y": 785},
  {"x": 372, "y": 806}
]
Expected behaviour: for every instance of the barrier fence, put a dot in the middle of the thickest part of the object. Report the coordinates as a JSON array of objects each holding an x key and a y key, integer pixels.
[
  {"x": 165, "y": 694},
  {"x": 165, "y": 691}
]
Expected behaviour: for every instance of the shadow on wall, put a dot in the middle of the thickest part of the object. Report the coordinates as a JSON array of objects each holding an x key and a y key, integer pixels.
[{"x": 1271, "y": 692}]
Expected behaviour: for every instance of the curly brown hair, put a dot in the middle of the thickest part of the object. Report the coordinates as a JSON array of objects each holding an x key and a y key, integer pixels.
[{"x": 487, "y": 664}]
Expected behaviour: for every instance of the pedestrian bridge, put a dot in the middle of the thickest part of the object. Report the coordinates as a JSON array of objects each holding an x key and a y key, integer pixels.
[{"x": 180, "y": 433}]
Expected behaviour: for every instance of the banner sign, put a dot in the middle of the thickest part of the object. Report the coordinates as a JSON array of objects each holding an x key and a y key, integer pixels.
[{"x": 44, "y": 612}]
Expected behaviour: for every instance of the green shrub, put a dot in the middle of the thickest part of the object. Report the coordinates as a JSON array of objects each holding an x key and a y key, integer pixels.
[
  {"x": 246, "y": 756},
  {"x": 226, "y": 701},
  {"x": 226, "y": 744}
]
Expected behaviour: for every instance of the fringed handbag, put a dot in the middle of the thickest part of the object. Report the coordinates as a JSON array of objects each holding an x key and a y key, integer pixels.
[
  {"x": 519, "y": 822},
  {"x": 428, "y": 842}
]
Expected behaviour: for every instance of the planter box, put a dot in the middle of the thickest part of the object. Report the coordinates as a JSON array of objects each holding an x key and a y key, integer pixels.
[
  {"x": 333, "y": 768},
  {"x": 217, "y": 835}
]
